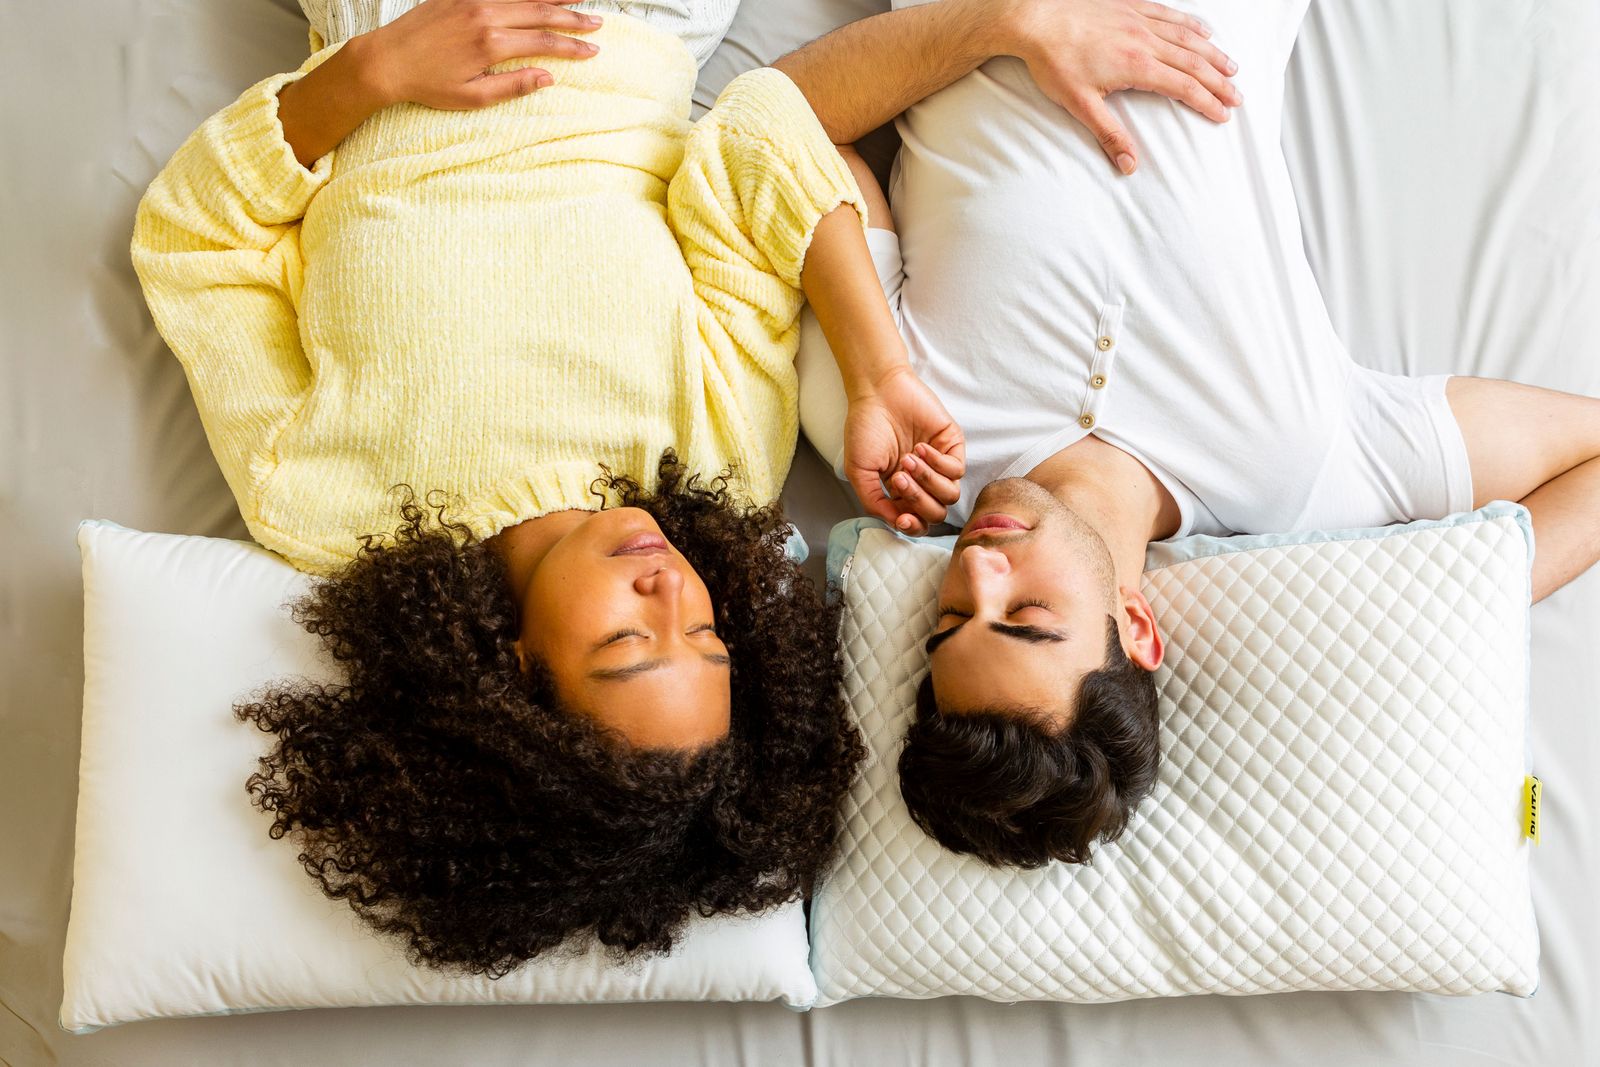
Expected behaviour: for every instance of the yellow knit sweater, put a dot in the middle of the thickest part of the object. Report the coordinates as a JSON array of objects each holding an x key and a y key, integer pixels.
[{"x": 491, "y": 302}]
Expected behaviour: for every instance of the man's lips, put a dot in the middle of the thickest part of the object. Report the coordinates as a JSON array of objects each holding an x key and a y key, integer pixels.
[
  {"x": 995, "y": 521},
  {"x": 641, "y": 543}
]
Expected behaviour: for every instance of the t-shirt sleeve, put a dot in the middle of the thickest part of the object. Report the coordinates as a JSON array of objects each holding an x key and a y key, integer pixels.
[
  {"x": 1398, "y": 455},
  {"x": 216, "y": 246},
  {"x": 885, "y": 248}
]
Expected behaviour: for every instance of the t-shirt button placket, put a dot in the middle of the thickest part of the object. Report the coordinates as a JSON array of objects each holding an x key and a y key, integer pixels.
[{"x": 1105, "y": 344}]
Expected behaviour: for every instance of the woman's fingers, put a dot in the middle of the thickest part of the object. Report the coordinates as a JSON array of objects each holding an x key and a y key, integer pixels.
[
  {"x": 487, "y": 89},
  {"x": 869, "y": 490},
  {"x": 517, "y": 44},
  {"x": 524, "y": 15}
]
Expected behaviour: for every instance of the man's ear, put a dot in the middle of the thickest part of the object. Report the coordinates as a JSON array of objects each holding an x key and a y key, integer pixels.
[{"x": 1145, "y": 646}]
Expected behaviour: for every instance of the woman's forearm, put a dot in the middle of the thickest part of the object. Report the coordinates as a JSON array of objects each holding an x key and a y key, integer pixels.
[
  {"x": 323, "y": 108},
  {"x": 841, "y": 284}
]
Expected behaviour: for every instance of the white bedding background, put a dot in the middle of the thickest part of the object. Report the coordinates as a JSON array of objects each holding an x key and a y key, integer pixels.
[{"x": 1447, "y": 158}]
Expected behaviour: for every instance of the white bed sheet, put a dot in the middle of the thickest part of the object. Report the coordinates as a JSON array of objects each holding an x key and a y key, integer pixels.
[{"x": 1447, "y": 153}]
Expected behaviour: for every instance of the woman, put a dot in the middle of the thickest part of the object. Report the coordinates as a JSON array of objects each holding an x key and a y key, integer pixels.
[{"x": 587, "y": 693}]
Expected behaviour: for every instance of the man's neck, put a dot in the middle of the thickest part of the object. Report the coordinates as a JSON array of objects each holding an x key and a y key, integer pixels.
[{"x": 1116, "y": 495}]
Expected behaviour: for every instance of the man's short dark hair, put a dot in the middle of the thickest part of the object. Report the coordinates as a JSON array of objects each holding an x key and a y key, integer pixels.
[{"x": 1001, "y": 784}]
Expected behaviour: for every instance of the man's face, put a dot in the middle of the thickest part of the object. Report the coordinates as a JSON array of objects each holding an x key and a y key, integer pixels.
[{"x": 1023, "y": 605}]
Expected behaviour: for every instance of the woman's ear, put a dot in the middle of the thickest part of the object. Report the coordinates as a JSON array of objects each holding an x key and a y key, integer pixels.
[
  {"x": 1145, "y": 646},
  {"x": 522, "y": 655}
]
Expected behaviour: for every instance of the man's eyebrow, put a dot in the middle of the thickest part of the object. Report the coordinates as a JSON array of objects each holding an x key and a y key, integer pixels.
[
  {"x": 935, "y": 640},
  {"x": 633, "y": 670},
  {"x": 1037, "y": 635}
]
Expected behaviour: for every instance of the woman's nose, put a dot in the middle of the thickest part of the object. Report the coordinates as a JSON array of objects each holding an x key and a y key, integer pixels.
[{"x": 664, "y": 580}]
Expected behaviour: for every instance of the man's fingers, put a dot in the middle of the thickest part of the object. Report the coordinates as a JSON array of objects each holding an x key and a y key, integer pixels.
[
  {"x": 1114, "y": 140},
  {"x": 914, "y": 499},
  {"x": 1201, "y": 71},
  {"x": 911, "y": 525},
  {"x": 1189, "y": 41},
  {"x": 945, "y": 490},
  {"x": 1174, "y": 16},
  {"x": 1177, "y": 85},
  {"x": 951, "y": 464}
]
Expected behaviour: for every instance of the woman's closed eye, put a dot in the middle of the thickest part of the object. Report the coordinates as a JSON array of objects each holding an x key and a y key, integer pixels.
[
  {"x": 618, "y": 636},
  {"x": 705, "y": 627}
]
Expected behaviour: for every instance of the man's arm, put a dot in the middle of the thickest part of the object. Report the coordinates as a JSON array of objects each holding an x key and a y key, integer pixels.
[
  {"x": 1541, "y": 448},
  {"x": 1078, "y": 51}
]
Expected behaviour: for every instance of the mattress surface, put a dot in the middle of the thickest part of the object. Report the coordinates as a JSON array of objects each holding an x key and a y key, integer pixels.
[{"x": 1446, "y": 156}]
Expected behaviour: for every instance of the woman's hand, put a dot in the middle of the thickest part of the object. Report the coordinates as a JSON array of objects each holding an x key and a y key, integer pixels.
[
  {"x": 1081, "y": 51},
  {"x": 435, "y": 54},
  {"x": 439, "y": 53},
  {"x": 901, "y": 434}
]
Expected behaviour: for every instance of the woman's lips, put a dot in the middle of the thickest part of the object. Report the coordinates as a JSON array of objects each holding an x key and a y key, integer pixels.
[
  {"x": 996, "y": 521},
  {"x": 641, "y": 543}
]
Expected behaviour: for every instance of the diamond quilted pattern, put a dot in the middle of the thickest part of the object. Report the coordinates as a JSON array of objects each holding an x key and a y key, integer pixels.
[{"x": 1343, "y": 737}]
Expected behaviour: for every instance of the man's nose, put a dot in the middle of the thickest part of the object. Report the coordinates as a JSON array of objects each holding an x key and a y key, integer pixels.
[
  {"x": 661, "y": 582},
  {"x": 985, "y": 568}
]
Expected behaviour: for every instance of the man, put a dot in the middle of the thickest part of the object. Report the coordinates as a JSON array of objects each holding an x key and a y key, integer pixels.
[{"x": 1130, "y": 357}]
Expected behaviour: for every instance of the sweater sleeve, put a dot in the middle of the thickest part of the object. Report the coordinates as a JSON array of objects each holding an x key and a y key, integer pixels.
[
  {"x": 757, "y": 176},
  {"x": 216, "y": 246}
]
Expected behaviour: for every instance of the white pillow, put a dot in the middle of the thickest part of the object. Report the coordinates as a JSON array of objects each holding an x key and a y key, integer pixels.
[
  {"x": 1343, "y": 739},
  {"x": 181, "y": 903}
]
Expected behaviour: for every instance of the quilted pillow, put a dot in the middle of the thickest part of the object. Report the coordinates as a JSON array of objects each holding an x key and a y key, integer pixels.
[
  {"x": 1343, "y": 738},
  {"x": 181, "y": 903}
]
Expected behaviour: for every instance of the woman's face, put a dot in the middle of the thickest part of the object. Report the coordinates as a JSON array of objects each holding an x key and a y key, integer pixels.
[{"x": 625, "y": 626}]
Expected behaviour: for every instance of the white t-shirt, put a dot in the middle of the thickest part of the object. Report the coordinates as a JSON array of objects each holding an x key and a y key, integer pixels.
[{"x": 1043, "y": 296}]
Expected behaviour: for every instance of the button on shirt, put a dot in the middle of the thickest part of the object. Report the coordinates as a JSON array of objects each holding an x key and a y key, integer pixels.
[{"x": 1043, "y": 296}]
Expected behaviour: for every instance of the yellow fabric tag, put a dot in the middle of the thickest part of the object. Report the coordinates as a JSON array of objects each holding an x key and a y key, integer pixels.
[{"x": 1532, "y": 794}]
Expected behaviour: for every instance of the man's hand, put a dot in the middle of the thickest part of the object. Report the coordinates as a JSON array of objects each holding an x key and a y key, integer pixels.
[
  {"x": 439, "y": 53},
  {"x": 901, "y": 434},
  {"x": 1081, "y": 51}
]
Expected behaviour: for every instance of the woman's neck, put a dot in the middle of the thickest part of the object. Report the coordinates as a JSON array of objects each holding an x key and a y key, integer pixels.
[{"x": 522, "y": 547}]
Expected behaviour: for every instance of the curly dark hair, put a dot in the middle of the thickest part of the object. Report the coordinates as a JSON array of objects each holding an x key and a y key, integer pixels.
[
  {"x": 446, "y": 796},
  {"x": 1000, "y": 784}
]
